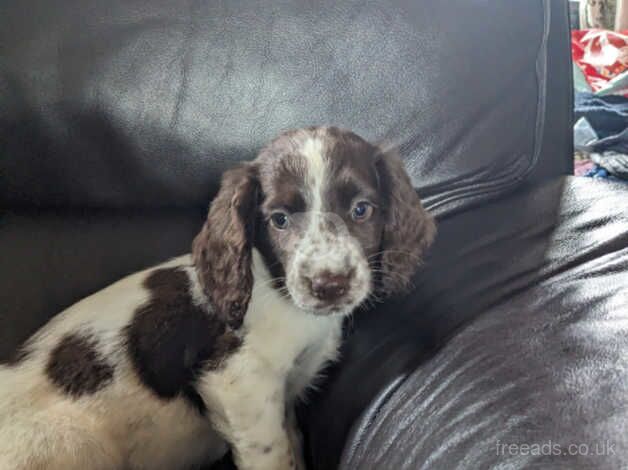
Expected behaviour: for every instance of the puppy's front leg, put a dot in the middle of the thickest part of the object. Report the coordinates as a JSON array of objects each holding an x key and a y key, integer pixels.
[
  {"x": 263, "y": 444},
  {"x": 251, "y": 417},
  {"x": 295, "y": 436}
]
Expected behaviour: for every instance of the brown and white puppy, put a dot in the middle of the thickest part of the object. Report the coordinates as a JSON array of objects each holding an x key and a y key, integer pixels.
[{"x": 168, "y": 367}]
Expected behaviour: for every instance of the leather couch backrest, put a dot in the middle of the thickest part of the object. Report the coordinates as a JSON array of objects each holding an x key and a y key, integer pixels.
[{"x": 138, "y": 103}]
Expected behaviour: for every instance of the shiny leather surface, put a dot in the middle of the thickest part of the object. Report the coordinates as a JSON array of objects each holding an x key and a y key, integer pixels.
[
  {"x": 517, "y": 332},
  {"x": 52, "y": 259},
  {"x": 144, "y": 103}
]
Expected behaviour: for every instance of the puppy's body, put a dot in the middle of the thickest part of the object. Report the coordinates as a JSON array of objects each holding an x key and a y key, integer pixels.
[
  {"x": 113, "y": 423},
  {"x": 121, "y": 424},
  {"x": 169, "y": 367}
]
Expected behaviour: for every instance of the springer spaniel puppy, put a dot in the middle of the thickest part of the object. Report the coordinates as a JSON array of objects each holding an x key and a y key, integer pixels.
[{"x": 169, "y": 367}]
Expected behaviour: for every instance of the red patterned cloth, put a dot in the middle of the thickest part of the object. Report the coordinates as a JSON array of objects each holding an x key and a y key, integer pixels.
[{"x": 600, "y": 54}]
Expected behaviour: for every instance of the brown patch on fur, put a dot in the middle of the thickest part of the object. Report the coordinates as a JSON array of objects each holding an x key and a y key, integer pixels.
[
  {"x": 283, "y": 178},
  {"x": 171, "y": 339},
  {"x": 222, "y": 250},
  {"x": 354, "y": 178},
  {"x": 76, "y": 366},
  {"x": 409, "y": 229}
]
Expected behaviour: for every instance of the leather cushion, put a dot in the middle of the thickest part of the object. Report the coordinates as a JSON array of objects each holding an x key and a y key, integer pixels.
[
  {"x": 52, "y": 259},
  {"x": 516, "y": 331}
]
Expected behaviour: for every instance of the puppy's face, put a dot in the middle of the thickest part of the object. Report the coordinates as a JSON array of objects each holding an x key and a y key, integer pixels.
[
  {"x": 335, "y": 218},
  {"x": 321, "y": 219}
]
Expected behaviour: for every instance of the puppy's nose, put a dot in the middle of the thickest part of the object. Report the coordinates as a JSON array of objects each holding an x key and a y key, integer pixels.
[{"x": 329, "y": 286}]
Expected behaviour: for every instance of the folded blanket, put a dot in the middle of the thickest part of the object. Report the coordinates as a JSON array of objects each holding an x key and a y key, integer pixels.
[{"x": 608, "y": 115}]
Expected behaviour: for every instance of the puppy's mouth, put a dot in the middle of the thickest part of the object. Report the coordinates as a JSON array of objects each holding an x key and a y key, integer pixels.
[
  {"x": 322, "y": 309},
  {"x": 329, "y": 275},
  {"x": 328, "y": 299}
]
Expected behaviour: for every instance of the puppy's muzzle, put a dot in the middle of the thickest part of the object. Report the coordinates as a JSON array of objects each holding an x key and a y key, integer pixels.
[{"x": 329, "y": 287}]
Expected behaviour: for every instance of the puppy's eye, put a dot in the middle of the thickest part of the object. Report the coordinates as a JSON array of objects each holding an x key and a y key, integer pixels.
[
  {"x": 279, "y": 220},
  {"x": 361, "y": 211}
]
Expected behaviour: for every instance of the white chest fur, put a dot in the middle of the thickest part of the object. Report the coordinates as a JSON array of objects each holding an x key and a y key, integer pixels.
[
  {"x": 281, "y": 342},
  {"x": 283, "y": 349},
  {"x": 279, "y": 333}
]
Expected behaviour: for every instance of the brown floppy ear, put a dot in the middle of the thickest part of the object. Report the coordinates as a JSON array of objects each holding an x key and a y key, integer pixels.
[
  {"x": 222, "y": 251},
  {"x": 408, "y": 228}
]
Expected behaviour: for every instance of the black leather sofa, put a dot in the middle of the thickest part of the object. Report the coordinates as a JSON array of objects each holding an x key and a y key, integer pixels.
[{"x": 117, "y": 118}]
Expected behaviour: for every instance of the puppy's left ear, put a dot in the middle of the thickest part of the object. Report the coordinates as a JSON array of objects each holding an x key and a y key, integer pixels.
[
  {"x": 408, "y": 228},
  {"x": 222, "y": 251}
]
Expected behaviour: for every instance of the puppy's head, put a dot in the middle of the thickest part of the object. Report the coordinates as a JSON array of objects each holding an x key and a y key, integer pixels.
[{"x": 335, "y": 218}]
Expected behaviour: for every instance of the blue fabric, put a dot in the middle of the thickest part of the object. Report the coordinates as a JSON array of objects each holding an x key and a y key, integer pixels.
[
  {"x": 600, "y": 172},
  {"x": 608, "y": 115}
]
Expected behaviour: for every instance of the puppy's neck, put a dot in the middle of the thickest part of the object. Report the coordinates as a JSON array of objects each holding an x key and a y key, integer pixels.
[{"x": 266, "y": 297}]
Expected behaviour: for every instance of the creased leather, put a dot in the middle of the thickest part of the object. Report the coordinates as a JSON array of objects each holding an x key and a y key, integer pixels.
[{"x": 517, "y": 332}]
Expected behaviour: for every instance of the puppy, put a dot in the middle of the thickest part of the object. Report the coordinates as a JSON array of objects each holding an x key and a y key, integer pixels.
[{"x": 169, "y": 367}]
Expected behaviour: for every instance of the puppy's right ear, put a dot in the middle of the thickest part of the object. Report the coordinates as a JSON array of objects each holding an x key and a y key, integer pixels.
[{"x": 222, "y": 251}]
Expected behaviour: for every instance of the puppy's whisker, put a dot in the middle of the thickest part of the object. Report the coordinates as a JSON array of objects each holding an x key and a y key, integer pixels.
[
  {"x": 378, "y": 269},
  {"x": 274, "y": 279},
  {"x": 267, "y": 282},
  {"x": 400, "y": 252},
  {"x": 385, "y": 274},
  {"x": 284, "y": 292}
]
